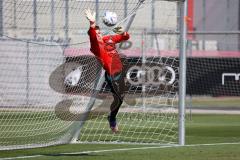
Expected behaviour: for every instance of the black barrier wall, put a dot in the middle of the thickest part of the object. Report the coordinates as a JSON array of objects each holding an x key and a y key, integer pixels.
[
  {"x": 213, "y": 76},
  {"x": 205, "y": 76}
]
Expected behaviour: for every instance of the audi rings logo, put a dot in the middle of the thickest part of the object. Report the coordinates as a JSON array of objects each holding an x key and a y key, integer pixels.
[{"x": 154, "y": 75}]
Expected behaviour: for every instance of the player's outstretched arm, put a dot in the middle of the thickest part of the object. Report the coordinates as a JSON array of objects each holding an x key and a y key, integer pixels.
[
  {"x": 120, "y": 35},
  {"x": 91, "y": 17}
]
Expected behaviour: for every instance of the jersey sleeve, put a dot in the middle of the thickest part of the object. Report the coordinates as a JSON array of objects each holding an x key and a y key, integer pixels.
[
  {"x": 121, "y": 37},
  {"x": 93, "y": 40}
]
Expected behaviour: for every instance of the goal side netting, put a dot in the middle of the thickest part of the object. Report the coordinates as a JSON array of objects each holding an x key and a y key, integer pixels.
[{"x": 52, "y": 88}]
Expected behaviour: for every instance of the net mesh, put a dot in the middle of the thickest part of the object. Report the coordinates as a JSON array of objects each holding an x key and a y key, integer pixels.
[{"x": 45, "y": 41}]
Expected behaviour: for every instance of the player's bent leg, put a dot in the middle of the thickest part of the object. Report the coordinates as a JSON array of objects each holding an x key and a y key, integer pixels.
[
  {"x": 117, "y": 88},
  {"x": 117, "y": 102}
]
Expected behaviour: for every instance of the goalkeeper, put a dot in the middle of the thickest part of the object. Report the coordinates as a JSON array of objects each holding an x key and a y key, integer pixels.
[{"x": 104, "y": 48}]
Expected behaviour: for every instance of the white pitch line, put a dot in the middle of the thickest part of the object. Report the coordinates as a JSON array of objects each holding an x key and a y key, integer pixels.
[
  {"x": 21, "y": 157},
  {"x": 122, "y": 149}
]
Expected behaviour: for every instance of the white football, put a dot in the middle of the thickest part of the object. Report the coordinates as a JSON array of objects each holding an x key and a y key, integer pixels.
[{"x": 110, "y": 18}]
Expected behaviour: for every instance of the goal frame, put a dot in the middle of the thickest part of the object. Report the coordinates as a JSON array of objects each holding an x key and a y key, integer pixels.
[
  {"x": 182, "y": 26},
  {"x": 182, "y": 71}
]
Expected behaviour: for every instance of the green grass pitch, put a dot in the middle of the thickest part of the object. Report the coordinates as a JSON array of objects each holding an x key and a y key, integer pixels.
[{"x": 217, "y": 131}]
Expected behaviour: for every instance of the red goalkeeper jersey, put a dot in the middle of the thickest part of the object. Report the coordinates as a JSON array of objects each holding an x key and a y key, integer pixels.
[{"x": 105, "y": 50}]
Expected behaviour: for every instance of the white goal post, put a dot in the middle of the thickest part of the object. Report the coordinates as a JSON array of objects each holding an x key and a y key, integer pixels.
[{"x": 44, "y": 46}]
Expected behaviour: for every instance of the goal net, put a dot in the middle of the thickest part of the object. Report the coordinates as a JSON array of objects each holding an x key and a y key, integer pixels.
[{"x": 52, "y": 89}]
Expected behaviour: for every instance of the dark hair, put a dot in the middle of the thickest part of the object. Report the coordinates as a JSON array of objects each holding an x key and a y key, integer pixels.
[{"x": 97, "y": 28}]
